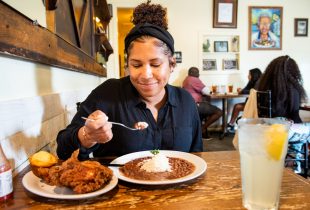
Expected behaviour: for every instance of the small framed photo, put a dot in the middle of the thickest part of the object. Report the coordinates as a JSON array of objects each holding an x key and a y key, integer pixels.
[
  {"x": 301, "y": 26},
  {"x": 225, "y": 13},
  {"x": 209, "y": 65},
  {"x": 230, "y": 64},
  {"x": 221, "y": 46},
  {"x": 178, "y": 56}
]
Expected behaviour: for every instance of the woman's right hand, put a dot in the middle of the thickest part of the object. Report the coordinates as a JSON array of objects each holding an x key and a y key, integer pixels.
[{"x": 96, "y": 130}]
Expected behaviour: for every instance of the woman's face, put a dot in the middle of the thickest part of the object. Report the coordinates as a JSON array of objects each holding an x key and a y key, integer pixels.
[
  {"x": 264, "y": 25},
  {"x": 149, "y": 69}
]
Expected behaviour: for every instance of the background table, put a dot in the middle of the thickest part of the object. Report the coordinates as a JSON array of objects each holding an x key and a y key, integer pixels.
[
  {"x": 218, "y": 188},
  {"x": 225, "y": 98}
]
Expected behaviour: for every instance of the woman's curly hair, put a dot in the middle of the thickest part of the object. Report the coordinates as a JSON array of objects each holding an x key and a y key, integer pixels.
[
  {"x": 282, "y": 76},
  {"x": 150, "y": 13}
]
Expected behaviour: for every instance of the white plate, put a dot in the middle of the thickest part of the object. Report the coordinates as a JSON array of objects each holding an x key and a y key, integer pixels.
[
  {"x": 36, "y": 185},
  {"x": 200, "y": 166}
]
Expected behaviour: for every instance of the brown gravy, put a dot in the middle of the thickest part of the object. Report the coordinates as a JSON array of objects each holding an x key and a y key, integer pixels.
[{"x": 179, "y": 168}]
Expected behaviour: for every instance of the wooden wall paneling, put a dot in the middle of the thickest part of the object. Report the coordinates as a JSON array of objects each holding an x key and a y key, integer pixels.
[
  {"x": 20, "y": 37},
  {"x": 23, "y": 144},
  {"x": 102, "y": 44},
  {"x": 88, "y": 32},
  {"x": 34, "y": 122},
  {"x": 85, "y": 28},
  {"x": 79, "y": 8},
  {"x": 65, "y": 23}
]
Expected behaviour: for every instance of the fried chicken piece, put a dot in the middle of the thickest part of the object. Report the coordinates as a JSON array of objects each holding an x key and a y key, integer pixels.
[{"x": 82, "y": 177}]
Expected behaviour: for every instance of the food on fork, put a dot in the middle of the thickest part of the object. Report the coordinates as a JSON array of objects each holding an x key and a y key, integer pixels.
[
  {"x": 141, "y": 125},
  {"x": 80, "y": 176}
]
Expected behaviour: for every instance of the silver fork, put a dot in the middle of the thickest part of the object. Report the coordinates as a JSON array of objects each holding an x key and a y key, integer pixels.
[{"x": 115, "y": 123}]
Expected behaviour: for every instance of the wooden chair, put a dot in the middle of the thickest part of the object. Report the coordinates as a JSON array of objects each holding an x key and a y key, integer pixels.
[
  {"x": 264, "y": 103},
  {"x": 298, "y": 149},
  {"x": 78, "y": 104}
]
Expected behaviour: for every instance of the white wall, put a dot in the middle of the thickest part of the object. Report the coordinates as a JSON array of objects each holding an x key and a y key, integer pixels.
[
  {"x": 187, "y": 19},
  {"x": 21, "y": 78},
  {"x": 27, "y": 8}
]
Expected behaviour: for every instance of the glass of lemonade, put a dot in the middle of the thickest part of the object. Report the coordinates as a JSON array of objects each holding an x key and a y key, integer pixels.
[{"x": 262, "y": 147}]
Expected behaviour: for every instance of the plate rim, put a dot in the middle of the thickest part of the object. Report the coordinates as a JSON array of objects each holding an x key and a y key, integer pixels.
[
  {"x": 200, "y": 169},
  {"x": 33, "y": 178}
]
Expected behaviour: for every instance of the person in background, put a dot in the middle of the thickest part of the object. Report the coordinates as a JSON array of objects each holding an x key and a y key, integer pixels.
[
  {"x": 197, "y": 89},
  {"x": 253, "y": 76},
  {"x": 283, "y": 78},
  {"x": 143, "y": 96}
]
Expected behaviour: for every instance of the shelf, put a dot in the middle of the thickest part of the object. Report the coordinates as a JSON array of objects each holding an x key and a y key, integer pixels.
[{"x": 219, "y": 53}]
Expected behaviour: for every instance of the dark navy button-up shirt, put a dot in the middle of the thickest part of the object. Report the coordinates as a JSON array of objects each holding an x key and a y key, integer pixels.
[{"x": 177, "y": 127}]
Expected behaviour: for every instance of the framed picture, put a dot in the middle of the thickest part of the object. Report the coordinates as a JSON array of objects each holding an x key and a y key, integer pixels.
[
  {"x": 178, "y": 56},
  {"x": 209, "y": 65},
  {"x": 225, "y": 13},
  {"x": 230, "y": 64},
  {"x": 301, "y": 26},
  {"x": 221, "y": 46},
  {"x": 265, "y": 28}
]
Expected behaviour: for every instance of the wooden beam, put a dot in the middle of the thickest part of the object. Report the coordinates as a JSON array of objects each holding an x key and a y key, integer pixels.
[{"x": 21, "y": 37}]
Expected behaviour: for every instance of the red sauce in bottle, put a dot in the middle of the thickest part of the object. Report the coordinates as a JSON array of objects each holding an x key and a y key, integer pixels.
[{"x": 6, "y": 178}]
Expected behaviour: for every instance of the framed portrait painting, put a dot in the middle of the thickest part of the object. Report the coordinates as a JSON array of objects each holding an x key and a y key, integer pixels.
[
  {"x": 301, "y": 27},
  {"x": 225, "y": 13},
  {"x": 265, "y": 28}
]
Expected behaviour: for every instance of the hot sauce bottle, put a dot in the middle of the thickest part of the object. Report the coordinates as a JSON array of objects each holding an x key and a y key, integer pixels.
[{"x": 6, "y": 181}]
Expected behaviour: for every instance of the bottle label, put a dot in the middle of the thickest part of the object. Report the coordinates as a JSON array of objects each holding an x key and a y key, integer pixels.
[{"x": 6, "y": 183}]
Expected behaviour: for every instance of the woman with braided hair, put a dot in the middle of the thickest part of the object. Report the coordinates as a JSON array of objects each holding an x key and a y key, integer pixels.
[
  {"x": 143, "y": 96},
  {"x": 283, "y": 78}
]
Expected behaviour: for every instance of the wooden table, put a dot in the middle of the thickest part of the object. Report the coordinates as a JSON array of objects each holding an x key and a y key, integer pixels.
[
  {"x": 218, "y": 188},
  {"x": 225, "y": 98}
]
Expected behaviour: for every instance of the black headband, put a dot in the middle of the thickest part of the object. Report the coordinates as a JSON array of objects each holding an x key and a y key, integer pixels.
[{"x": 151, "y": 30}]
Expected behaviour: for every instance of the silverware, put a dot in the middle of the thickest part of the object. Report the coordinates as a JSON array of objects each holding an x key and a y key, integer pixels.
[
  {"x": 115, "y": 165},
  {"x": 103, "y": 161},
  {"x": 115, "y": 123}
]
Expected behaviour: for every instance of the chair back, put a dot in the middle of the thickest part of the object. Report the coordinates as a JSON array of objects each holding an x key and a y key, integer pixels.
[
  {"x": 78, "y": 106},
  {"x": 264, "y": 106}
]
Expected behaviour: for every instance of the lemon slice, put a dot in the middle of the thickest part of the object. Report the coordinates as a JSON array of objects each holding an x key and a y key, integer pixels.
[{"x": 276, "y": 136}]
